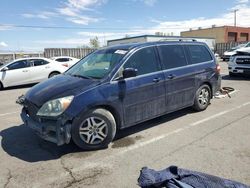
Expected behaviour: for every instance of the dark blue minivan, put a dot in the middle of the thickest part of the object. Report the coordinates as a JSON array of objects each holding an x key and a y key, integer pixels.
[{"x": 118, "y": 87}]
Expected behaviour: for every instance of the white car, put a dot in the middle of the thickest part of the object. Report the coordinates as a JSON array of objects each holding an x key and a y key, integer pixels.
[
  {"x": 227, "y": 54},
  {"x": 239, "y": 64},
  {"x": 66, "y": 60},
  {"x": 28, "y": 70}
]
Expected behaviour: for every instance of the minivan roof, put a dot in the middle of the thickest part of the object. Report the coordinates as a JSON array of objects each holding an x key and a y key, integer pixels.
[{"x": 130, "y": 46}]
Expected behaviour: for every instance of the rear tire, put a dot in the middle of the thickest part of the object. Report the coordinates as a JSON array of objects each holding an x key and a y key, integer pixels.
[
  {"x": 202, "y": 98},
  {"x": 53, "y": 74},
  {"x": 94, "y": 130},
  {"x": 1, "y": 86},
  {"x": 232, "y": 74}
]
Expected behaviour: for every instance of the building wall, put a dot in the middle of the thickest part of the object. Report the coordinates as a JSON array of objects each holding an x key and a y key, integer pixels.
[
  {"x": 241, "y": 34},
  {"x": 218, "y": 33},
  {"x": 221, "y": 34}
]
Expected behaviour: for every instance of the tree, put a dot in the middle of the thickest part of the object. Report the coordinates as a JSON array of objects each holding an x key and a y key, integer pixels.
[{"x": 94, "y": 43}]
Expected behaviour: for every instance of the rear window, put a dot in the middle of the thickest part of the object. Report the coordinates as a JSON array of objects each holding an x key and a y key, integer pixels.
[{"x": 199, "y": 54}]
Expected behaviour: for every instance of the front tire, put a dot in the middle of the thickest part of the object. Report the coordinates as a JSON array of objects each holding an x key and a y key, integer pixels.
[
  {"x": 94, "y": 130},
  {"x": 202, "y": 98}
]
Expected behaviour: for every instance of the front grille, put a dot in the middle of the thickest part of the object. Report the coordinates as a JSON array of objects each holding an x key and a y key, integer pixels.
[
  {"x": 32, "y": 110},
  {"x": 243, "y": 61}
]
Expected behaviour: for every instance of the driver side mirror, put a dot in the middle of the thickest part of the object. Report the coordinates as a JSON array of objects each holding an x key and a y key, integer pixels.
[
  {"x": 129, "y": 73},
  {"x": 4, "y": 69}
]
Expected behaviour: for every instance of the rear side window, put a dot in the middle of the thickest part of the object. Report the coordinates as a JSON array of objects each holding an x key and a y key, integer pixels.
[
  {"x": 199, "y": 54},
  {"x": 144, "y": 61},
  {"x": 63, "y": 59},
  {"x": 39, "y": 62},
  {"x": 172, "y": 56}
]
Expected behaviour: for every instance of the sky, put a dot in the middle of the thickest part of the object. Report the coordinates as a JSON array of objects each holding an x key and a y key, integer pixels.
[{"x": 33, "y": 25}]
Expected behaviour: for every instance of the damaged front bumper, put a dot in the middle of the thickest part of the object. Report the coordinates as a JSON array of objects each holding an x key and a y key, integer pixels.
[{"x": 57, "y": 131}]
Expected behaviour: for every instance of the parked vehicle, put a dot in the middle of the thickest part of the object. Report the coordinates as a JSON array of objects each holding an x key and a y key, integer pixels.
[
  {"x": 118, "y": 87},
  {"x": 28, "y": 70},
  {"x": 66, "y": 60},
  {"x": 239, "y": 64},
  {"x": 227, "y": 54}
]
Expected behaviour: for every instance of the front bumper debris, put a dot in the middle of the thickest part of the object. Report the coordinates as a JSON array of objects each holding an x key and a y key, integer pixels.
[{"x": 56, "y": 131}]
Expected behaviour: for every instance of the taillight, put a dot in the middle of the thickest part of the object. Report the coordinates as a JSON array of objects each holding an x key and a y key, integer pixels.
[
  {"x": 218, "y": 68},
  {"x": 65, "y": 65}
]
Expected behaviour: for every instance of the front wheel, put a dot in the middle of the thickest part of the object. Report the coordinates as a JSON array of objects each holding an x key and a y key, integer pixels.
[
  {"x": 202, "y": 98},
  {"x": 94, "y": 130}
]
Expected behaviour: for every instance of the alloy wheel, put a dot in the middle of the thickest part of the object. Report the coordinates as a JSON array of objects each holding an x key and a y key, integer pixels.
[
  {"x": 204, "y": 97},
  {"x": 93, "y": 130}
]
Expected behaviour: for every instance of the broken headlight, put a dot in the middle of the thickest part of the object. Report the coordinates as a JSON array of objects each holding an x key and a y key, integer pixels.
[{"x": 55, "y": 107}]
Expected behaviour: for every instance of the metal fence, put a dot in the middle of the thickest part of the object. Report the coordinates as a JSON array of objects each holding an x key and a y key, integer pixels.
[
  {"x": 220, "y": 48},
  {"x": 72, "y": 52},
  {"x": 6, "y": 57}
]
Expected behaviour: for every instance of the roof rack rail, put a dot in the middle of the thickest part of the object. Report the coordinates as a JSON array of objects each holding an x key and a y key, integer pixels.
[{"x": 180, "y": 40}]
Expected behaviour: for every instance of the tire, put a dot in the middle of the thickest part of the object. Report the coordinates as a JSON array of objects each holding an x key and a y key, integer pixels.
[
  {"x": 1, "y": 86},
  {"x": 232, "y": 74},
  {"x": 202, "y": 98},
  {"x": 94, "y": 130},
  {"x": 53, "y": 74}
]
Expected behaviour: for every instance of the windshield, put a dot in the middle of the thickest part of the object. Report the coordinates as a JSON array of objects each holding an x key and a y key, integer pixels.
[{"x": 98, "y": 64}]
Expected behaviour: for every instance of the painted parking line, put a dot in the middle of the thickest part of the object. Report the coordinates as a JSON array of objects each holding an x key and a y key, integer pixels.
[
  {"x": 10, "y": 113},
  {"x": 93, "y": 164},
  {"x": 161, "y": 137}
]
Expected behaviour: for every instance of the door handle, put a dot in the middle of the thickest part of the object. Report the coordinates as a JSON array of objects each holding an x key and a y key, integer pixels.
[
  {"x": 47, "y": 67},
  {"x": 25, "y": 71},
  {"x": 156, "y": 80},
  {"x": 171, "y": 76}
]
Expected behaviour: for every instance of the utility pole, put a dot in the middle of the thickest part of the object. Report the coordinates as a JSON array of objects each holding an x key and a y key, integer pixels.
[{"x": 235, "y": 16}]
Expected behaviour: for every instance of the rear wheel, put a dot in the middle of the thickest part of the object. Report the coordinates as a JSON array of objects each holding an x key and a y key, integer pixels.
[
  {"x": 95, "y": 130},
  {"x": 53, "y": 74},
  {"x": 202, "y": 98},
  {"x": 1, "y": 86},
  {"x": 232, "y": 74}
]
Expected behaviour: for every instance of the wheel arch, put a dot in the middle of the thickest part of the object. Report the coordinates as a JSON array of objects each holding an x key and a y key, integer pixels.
[
  {"x": 113, "y": 111},
  {"x": 53, "y": 73}
]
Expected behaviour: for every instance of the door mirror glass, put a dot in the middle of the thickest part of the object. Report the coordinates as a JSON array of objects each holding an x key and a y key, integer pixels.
[
  {"x": 129, "y": 72},
  {"x": 4, "y": 69}
]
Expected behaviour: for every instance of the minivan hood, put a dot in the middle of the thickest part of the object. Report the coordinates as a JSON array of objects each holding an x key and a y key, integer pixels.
[{"x": 57, "y": 87}]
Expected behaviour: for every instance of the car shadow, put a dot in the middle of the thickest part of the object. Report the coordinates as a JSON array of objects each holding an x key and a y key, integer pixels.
[
  {"x": 21, "y": 142},
  {"x": 238, "y": 78}
]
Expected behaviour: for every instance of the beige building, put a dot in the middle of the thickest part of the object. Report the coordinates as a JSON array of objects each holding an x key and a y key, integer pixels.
[{"x": 222, "y": 34}]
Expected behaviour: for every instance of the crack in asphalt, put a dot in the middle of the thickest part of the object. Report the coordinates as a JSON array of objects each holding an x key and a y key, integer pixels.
[
  {"x": 202, "y": 138},
  {"x": 70, "y": 173},
  {"x": 8, "y": 178},
  {"x": 96, "y": 172}
]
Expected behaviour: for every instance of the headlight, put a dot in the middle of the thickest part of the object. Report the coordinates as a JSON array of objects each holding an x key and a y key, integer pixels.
[{"x": 55, "y": 107}]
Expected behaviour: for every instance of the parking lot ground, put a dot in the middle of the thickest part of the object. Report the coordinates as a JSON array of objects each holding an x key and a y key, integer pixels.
[{"x": 215, "y": 141}]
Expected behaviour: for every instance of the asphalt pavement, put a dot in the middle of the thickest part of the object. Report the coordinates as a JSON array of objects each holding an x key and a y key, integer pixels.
[{"x": 215, "y": 141}]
